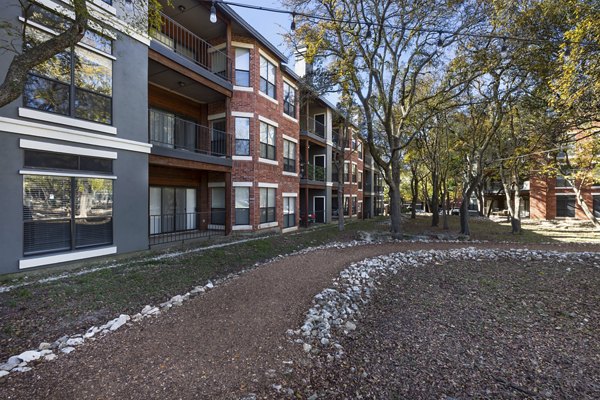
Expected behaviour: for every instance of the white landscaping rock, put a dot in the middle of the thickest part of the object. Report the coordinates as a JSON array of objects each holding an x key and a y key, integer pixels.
[
  {"x": 122, "y": 320},
  {"x": 74, "y": 342},
  {"x": 3, "y": 373},
  {"x": 50, "y": 357},
  {"x": 29, "y": 356},
  {"x": 44, "y": 346},
  {"x": 67, "y": 350}
]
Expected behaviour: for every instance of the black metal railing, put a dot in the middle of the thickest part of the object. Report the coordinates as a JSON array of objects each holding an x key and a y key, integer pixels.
[
  {"x": 177, "y": 227},
  {"x": 313, "y": 172},
  {"x": 167, "y": 130},
  {"x": 199, "y": 51},
  {"x": 313, "y": 126},
  {"x": 368, "y": 186}
]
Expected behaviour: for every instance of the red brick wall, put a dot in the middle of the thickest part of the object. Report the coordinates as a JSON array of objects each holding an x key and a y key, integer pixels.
[{"x": 255, "y": 171}]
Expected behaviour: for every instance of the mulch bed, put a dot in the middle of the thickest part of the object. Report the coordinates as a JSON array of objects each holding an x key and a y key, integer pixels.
[{"x": 504, "y": 330}]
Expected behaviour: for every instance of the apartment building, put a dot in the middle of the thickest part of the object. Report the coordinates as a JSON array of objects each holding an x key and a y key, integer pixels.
[
  {"x": 223, "y": 125},
  {"x": 74, "y": 153},
  {"x": 553, "y": 197},
  {"x": 373, "y": 202}
]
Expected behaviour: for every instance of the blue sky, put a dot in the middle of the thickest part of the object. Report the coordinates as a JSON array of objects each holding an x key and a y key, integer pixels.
[{"x": 271, "y": 25}]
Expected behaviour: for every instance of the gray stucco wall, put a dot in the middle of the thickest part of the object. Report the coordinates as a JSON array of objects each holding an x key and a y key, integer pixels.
[{"x": 130, "y": 117}]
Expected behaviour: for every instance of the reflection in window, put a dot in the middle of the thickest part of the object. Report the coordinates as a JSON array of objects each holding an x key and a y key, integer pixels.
[
  {"x": 267, "y": 205},
  {"x": 267, "y": 77},
  {"x": 242, "y": 206},
  {"x": 242, "y": 136},
  {"x": 267, "y": 141}
]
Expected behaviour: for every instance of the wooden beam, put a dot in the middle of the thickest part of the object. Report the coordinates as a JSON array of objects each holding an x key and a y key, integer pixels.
[{"x": 186, "y": 164}]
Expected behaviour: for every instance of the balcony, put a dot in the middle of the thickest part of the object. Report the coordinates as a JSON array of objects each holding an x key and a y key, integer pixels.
[
  {"x": 310, "y": 125},
  {"x": 313, "y": 172},
  {"x": 195, "y": 49},
  {"x": 168, "y": 228},
  {"x": 171, "y": 132}
]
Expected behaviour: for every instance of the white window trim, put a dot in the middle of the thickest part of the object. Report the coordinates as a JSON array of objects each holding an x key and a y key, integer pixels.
[
  {"x": 241, "y": 158},
  {"x": 563, "y": 187},
  {"x": 242, "y": 45},
  {"x": 290, "y": 229},
  {"x": 22, "y": 127},
  {"x": 289, "y": 138},
  {"x": 63, "y": 120},
  {"x": 241, "y": 228},
  {"x": 268, "y": 185},
  {"x": 285, "y": 194},
  {"x": 294, "y": 174},
  {"x": 288, "y": 117},
  {"x": 213, "y": 117},
  {"x": 242, "y": 184},
  {"x": 216, "y": 184},
  {"x": 59, "y": 258},
  {"x": 565, "y": 194},
  {"x": 243, "y": 88},
  {"x": 266, "y": 96},
  {"x": 267, "y": 161},
  {"x": 242, "y": 114},
  {"x": 329, "y": 184},
  {"x": 106, "y": 7},
  {"x": 67, "y": 174},
  {"x": 59, "y": 148},
  {"x": 269, "y": 58},
  {"x": 268, "y": 225},
  {"x": 289, "y": 82},
  {"x": 268, "y": 121}
]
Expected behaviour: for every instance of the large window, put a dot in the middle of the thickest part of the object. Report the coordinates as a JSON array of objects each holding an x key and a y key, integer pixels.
[
  {"x": 169, "y": 130},
  {"x": 267, "y": 141},
  {"x": 354, "y": 180},
  {"x": 267, "y": 205},
  {"x": 289, "y": 100},
  {"x": 346, "y": 171},
  {"x": 289, "y": 212},
  {"x": 242, "y": 206},
  {"x": 360, "y": 180},
  {"x": 76, "y": 82},
  {"x": 172, "y": 209},
  {"x": 62, "y": 213},
  {"x": 565, "y": 206},
  {"x": 267, "y": 77},
  {"x": 242, "y": 136},
  {"x": 217, "y": 206},
  {"x": 289, "y": 156},
  {"x": 242, "y": 67}
]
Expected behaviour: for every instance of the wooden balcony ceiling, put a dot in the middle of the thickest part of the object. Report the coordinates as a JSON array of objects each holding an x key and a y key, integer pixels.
[
  {"x": 173, "y": 77},
  {"x": 195, "y": 18}
]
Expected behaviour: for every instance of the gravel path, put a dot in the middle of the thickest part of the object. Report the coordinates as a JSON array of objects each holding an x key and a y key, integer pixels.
[{"x": 224, "y": 344}]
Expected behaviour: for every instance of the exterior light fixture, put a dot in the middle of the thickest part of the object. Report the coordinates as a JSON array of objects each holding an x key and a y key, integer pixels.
[
  {"x": 181, "y": 8},
  {"x": 213, "y": 13}
]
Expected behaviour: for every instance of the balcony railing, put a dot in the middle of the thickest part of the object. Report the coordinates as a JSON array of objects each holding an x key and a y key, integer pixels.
[
  {"x": 167, "y": 130},
  {"x": 368, "y": 187},
  {"x": 167, "y": 228},
  {"x": 313, "y": 126},
  {"x": 184, "y": 42},
  {"x": 313, "y": 172}
]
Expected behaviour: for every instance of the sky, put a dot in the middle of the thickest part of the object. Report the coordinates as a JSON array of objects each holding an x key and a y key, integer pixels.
[{"x": 271, "y": 25}]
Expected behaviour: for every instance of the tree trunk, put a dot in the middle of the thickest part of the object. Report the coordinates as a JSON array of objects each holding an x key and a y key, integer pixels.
[
  {"x": 445, "y": 204},
  {"x": 515, "y": 221},
  {"x": 464, "y": 212},
  {"x": 414, "y": 188},
  {"x": 584, "y": 207},
  {"x": 395, "y": 199},
  {"x": 435, "y": 216}
]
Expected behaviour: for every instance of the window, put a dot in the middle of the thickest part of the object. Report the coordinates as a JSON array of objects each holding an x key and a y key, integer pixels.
[
  {"x": 267, "y": 141},
  {"x": 217, "y": 206},
  {"x": 596, "y": 205},
  {"x": 267, "y": 77},
  {"x": 360, "y": 180},
  {"x": 346, "y": 171},
  {"x": 354, "y": 200},
  {"x": 289, "y": 156},
  {"x": 267, "y": 205},
  {"x": 63, "y": 161},
  {"x": 360, "y": 150},
  {"x": 242, "y": 136},
  {"x": 565, "y": 206},
  {"x": 66, "y": 213},
  {"x": 320, "y": 125},
  {"x": 169, "y": 130},
  {"x": 172, "y": 209},
  {"x": 242, "y": 206},
  {"x": 242, "y": 67},
  {"x": 289, "y": 100},
  {"x": 346, "y": 205},
  {"x": 354, "y": 180},
  {"x": 218, "y": 138},
  {"x": 289, "y": 212},
  {"x": 76, "y": 82},
  {"x": 562, "y": 182}
]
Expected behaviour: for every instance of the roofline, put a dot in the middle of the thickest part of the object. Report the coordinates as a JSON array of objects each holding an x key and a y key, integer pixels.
[{"x": 237, "y": 18}]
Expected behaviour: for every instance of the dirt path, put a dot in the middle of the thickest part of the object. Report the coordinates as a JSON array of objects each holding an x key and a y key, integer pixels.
[{"x": 218, "y": 345}]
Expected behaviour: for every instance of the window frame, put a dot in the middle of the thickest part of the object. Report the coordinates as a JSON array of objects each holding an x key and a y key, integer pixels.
[
  {"x": 268, "y": 149},
  {"x": 566, "y": 210},
  {"x": 241, "y": 70},
  {"x": 268, "y": 212},
  {"x": 239, "y": 140},
  {"x": 244, "y": 210},
  {"x": 270, "y": 88},
  {"x": 289, "y": 156},
  {"x": 289, "y": 218},
  {"x": 289, "y": 108}
]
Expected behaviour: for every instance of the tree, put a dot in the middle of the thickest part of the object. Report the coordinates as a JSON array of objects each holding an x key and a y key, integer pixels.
[
  {"x": 28, "y": 54},
  {"x": 379, "y": 57}
]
